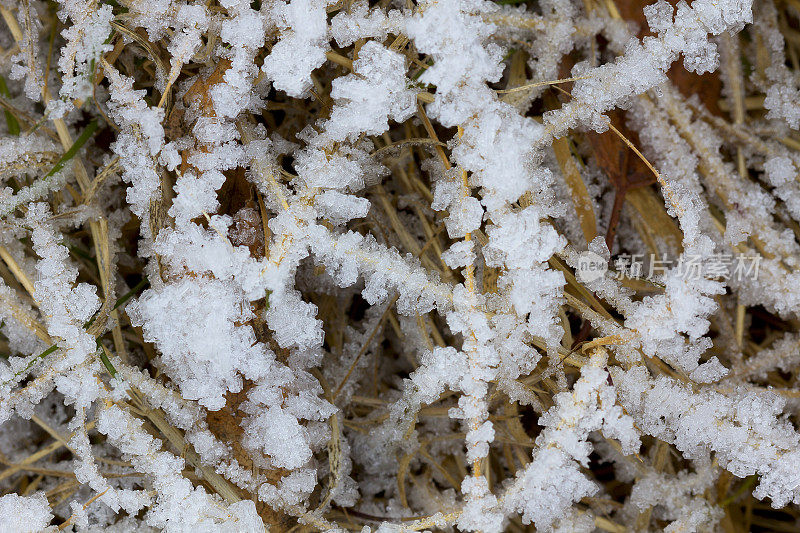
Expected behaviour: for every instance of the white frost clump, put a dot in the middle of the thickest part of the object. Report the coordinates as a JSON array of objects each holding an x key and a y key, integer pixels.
[
  {"x": 302, "y": 46},
  {"x": 65, "y": 307},
  {"x": 205, "y": 363},
  {"x": 679, "y": 498},
  {"x": 25, "y": 514},
  {"x": 86, "y": 42},
  {"x": 554, "y": 475},
  {"x": 741, "y": 428},
  {"x": 781, "y": 85},
  {"x": 375, "y": 93}
]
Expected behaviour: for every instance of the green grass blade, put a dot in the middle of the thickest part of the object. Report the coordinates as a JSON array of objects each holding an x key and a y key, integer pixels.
[
  {"x": 11, "y": 120},
  {"x": 73, "y": 150}
]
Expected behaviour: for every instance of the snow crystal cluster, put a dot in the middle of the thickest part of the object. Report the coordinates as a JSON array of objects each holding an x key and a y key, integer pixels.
[{"x": 311, "y": 263}]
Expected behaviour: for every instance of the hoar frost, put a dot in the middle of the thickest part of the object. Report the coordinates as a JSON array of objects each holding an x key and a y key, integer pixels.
[{"x": 305, "y": 263}]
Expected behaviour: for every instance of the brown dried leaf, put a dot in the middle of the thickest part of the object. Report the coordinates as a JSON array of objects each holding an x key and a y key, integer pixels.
[{"x": 623, "y": 168}]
